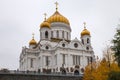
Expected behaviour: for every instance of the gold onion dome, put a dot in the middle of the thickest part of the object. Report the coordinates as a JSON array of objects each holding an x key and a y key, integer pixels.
[
  {"x": 57, "y": 17},
  {"x": 85, "y": 31},
  {"x": 32, "y": 42},
  {"x": 45, "y": 23}
]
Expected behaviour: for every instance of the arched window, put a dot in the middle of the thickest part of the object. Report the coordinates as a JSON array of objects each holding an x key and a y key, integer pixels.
[
  {"x": 31, "y": 63},
  {"x": 87, "y": 48},
  {"x": 47, "y": 47},
  {"x": 46, "y": 34},
  {"x": 51, "y": 34},
  {"x": 82, "y": 41},
  {"x": 88, "y": 41},
  {"x": 63, "y": 45},
  {"x": 62, "y": 34},
  {"x": 57, "y": 34}
]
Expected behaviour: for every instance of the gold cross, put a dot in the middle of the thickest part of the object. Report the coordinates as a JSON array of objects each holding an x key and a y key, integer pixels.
[
  {"x": 33, "y": 35},
  {"x": 56, "y": 5},
  {"x": 45, "y": 16},
  {"x": 84, "y": 24}
]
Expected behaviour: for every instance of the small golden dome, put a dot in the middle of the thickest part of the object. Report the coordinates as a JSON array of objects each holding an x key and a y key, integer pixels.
[
  {"x": 57, "y": 17},
  {"x": 45, "y": 24},
  {"x": 32, "y": 42},
  {"x": 85, "y": 32}
]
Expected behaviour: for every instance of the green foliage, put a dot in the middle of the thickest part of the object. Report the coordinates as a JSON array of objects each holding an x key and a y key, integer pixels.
[
  {"x": 116, "y": 47},
  {"x": 113, "y": 75}
]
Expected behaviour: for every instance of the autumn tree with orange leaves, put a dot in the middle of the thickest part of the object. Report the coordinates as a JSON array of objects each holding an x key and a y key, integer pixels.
[{"x": 99, "y": 70}]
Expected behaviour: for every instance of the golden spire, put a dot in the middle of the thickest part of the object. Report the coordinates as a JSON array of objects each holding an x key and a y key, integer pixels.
[
  {"x": 56, "y": 3},
  {"x": 45, "y": 16},
  {"x": 84, "y": 25}
]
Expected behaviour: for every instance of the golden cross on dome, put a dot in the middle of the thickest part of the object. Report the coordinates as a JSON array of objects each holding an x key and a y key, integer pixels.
[
  {"x": 56, "y": 5},
  {"x": 33, "y": 35},
  {"x": 45, "y": 16},
  {"x": 84, "y": 25}
]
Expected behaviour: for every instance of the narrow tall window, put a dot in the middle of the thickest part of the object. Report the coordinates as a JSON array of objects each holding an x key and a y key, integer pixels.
[
  {"x": 63, "y": 58},
  {"x": 31, "y": 62},
  {"x": 88, "y": 60},
  {"x": 67, "y": 35},
  {"x": 51, "y": 34},
  {"x": 88, "y": 41},
  {"x": 46, "y": 34},
  {"x": 73, "y": 60},
  {"x": 76, "y": 60},
  {"x": 47, "y": 61},
  {"x": 82, "y": 41},
  {"x": 57, "y": 34},
  {"x": 62, "y": 34},
  {"x": 41, "y": 35},
  {"x": 79, "y": 60},
  {"x": 56, "y": 59}
]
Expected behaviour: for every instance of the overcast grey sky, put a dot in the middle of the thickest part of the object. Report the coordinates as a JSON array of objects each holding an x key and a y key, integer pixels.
[{"x": 20, "y": 18}]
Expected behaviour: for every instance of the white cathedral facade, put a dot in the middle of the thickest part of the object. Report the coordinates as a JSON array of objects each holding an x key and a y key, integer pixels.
[{"x": 55, "y": 50}]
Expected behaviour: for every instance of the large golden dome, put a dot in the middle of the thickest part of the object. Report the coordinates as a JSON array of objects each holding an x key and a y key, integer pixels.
[
  {"x": 57, "y": 17},
  {"x": 45, "y": 24},
  {"x": 85, "y": 32}
]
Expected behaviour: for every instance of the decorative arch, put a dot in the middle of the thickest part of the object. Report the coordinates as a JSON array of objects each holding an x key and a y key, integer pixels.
[
  {"x": 76, "y": 72},
  {"x": 63, "y": 71}
]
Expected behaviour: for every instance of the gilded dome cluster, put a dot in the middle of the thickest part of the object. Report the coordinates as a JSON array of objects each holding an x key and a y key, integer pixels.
[{"x": 56, "y": 17}]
